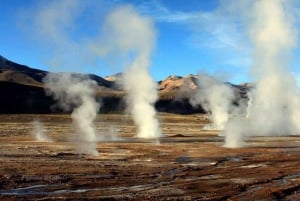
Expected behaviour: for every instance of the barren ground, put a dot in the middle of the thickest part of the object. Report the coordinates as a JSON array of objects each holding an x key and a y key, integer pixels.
[{"x": 187, "y": 164}]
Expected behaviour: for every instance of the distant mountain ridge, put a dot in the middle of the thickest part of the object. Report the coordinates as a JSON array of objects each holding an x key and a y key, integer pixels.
[
  {"x": 9, "y": 65},
  {"x": 22, "y": 91},
  {"x": 17, "y": 73},
  {"x": 14, "y": 72}
]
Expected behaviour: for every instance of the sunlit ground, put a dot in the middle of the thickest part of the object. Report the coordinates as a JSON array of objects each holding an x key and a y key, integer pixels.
[{"x": 188, "y": 163}]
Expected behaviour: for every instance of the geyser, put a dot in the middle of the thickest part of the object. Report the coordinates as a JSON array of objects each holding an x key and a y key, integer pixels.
[
  {"x": 274, "y": 108},
  {"x": 76, "y": 93},
  {"x": 134, "y": 36},
  {"x": 216, "y": 98},
  {"x": 38, "y": 132}
]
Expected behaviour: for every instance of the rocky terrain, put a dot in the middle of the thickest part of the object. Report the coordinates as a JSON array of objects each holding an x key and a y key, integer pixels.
[{"x": 188, "y": 164}]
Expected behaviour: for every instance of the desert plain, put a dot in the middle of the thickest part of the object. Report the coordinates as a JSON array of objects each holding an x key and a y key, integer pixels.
[{"x": 187, "y": 163}]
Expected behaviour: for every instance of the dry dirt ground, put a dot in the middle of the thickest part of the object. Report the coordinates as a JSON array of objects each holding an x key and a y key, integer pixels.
[{"x": 187, "y": 164}]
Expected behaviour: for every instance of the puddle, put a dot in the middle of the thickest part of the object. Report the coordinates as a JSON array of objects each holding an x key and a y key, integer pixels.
[
  {"x": 243, "y": 180},
  {"x": 48, "y": 190},
  {"x": 289, "y": 178},
  {"x": 187, "y": 161},
  {"x": 172, "y": 172},
  {"x": 254, "y": 165},
  {"x": 104, "y": 176},
  {"x": 208, "y": 177},
  {"x": 31, "y": 190},
  {"x": 234, "y": 158},
  {"x": 183, "y": 159},
  {"x": 142, "y": 160},
  {"x": 201, "y": 163}
]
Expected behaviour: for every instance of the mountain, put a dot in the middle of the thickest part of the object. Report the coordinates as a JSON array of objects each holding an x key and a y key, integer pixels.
[
  {"x": 174, "y": 82},
  {"x": 115, "y": 77},
  {"x": 185, "y": 85},
  {"x": 22, "y": 91},
  {"x": 21, "y": 74}
]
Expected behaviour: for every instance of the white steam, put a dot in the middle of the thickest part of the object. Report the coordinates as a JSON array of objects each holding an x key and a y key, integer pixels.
[
  {"x": 56, "y": 25},
  {"x": 109, "y": 134},
  {"x": 216, "y": 98},
  {"x": 76, "y": 93},
  {"x": 38, "y": 132},
  {"x": 124, "y": 33},
  {"x": 274, "y": 106},
  {"x": 134, "y": 36}
]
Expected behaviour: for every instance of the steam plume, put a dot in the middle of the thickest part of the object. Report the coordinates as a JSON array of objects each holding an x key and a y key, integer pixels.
[
  {"x": 38, "y": 132},
  {"x": 78, "y": 92},
  {"x": 134, "y": 35},
  {"x": 216, "y": 98},
  {"x": 274, "y": 108}
]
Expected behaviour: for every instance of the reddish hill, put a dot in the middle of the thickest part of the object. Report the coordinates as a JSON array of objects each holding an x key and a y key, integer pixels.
[{"x": 174, "y": 82}]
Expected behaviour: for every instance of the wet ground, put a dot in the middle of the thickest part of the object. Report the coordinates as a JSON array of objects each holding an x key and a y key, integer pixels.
[{"x": 187, "y": 164}]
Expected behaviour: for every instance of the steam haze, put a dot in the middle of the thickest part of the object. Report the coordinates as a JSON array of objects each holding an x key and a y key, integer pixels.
[
  {"x": 77, "y": 94},
  {"x": 39, "y": 132},
  {"x": 274, "y": 107},
  {"x": 134, "y": 36},
  {"x": 216, "y": 98},
  {"x": 125, "y": 34}
]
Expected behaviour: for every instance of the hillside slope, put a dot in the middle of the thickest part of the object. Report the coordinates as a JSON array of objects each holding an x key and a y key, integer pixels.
[{"x": 22, "y": 91}]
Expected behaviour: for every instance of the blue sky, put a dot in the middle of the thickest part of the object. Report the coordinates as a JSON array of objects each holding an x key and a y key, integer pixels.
[{"x": 192, "y": 36}]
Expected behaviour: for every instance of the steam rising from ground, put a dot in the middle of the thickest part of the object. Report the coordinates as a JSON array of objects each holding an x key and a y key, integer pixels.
[
  {"x": 76, "y": 93},
  {"x": 216, "y": 98},
  {"x": 38, "y": 132},
  {"x": 134, "y": 35},
  {"x": 124, "y": 33},
  {"x": 274, "y": 108}
]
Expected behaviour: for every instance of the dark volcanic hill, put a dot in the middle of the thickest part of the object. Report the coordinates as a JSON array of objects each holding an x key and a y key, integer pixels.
[
  {"x": 16, "y": 73},
  {"x": 22, "y": 91}
]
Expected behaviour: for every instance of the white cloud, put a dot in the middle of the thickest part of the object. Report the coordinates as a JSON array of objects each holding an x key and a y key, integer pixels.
[
  {"x": 163, "y": 14},
  {"x": 220, "y": 30}
]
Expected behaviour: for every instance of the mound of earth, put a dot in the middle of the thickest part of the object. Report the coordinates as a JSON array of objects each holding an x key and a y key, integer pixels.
[{"x": 174, "y": 82}]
